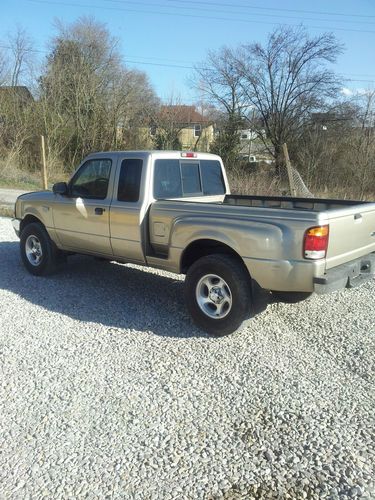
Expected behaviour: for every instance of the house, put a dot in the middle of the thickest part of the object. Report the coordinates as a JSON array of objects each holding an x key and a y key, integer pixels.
[
  {"x": 181, "y": 125},
  {"x": 327, "y": 120},
  {"x": 252, "y": 147}
]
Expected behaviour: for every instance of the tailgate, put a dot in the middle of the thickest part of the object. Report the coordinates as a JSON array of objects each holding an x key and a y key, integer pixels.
[{"x": 351, "y": 234}]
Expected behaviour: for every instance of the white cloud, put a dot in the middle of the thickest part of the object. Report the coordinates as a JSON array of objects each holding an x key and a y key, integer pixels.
[{"x": 346, "y": 92}]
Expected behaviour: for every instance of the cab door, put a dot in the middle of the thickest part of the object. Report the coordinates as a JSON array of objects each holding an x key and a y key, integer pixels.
[
  {"x": 81, "y": 217},
  {"x": 128, "y": 211}
]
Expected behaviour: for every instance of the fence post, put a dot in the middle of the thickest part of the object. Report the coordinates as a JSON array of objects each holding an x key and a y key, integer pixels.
[
  {"x": 44, "y": 164},
  {"x": 289, "y": 170}
]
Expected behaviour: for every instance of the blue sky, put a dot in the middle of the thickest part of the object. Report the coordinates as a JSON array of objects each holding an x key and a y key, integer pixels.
[{"x": 166, "y": 37}]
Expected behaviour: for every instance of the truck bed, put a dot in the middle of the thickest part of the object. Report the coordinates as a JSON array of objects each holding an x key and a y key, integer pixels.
[
  {"x": 288, "y": 203},
  {"x": 247, "y": 221}
]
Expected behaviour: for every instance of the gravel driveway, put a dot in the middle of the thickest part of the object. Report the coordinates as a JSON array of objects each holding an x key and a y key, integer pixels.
[
  {"x": 9, "y": 196},
  {"x": 108, "y": 391}
]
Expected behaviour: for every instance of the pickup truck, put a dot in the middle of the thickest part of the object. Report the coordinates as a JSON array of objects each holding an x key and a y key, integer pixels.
[{"x": 173, "y": 210}]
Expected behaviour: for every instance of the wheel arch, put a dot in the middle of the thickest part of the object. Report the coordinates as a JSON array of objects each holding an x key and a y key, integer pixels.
[
  {"x": 29, "y": 219},
  {"x": 203, "y": 247}
]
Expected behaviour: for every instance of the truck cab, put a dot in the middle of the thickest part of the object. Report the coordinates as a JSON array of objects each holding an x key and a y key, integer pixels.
[{"x": 103, "y": 209}]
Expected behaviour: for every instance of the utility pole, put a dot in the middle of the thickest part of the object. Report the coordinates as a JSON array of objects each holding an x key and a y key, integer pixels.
[
  {"x": 44, "y": 164},
  {"x": 251, "y": 132},
  {"x": 289, "y": 170}
]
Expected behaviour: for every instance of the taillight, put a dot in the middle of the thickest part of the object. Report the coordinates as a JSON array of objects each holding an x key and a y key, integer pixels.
[
  {"x": 315, "y": 243},
  {"x": 188, "y": 154}
]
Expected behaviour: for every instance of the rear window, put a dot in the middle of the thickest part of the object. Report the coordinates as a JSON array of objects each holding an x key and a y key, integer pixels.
[
  {"x": 177, "y": 179},
  {"x": 191, "y": 179},
  {"x": 212, "y": 177},
  {"x": 167, "y": 179}
]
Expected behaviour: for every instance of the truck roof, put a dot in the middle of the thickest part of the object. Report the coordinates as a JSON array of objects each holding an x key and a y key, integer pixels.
[{"x": 155, "y": 152}]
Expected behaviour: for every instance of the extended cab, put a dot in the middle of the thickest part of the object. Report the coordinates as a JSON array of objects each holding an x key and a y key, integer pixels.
[{"x": 173, "y": 210}]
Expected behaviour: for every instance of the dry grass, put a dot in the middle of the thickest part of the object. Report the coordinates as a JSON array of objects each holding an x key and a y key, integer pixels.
[
  {"x": 342, "y": 194},
  {"x": 256, "y": 181},
  {"x": 262, "y": 181},
  {"x": 12, "y": 176},
  {"x": 6, "y": 211}
]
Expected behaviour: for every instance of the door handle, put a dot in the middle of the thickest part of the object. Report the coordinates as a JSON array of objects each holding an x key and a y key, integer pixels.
[{"x": 99, "y": 211}]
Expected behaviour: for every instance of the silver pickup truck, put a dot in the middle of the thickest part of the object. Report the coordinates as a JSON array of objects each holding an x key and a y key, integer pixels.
[{"x": 173, "y": 210}]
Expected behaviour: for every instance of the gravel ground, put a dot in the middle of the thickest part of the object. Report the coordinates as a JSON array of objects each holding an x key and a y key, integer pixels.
[
  {"x": 9, "y": 196},
  {"x": 108, "y": 391}
]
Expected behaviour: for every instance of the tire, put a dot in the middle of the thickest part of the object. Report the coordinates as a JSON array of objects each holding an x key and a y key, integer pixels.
[
  {"x": 38, "y": 252},
  {"x": 218, "y": 294},
  {"x": 290, "y": 297}
]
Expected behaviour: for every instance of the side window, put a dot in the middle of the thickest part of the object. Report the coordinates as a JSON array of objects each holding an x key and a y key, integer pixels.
[
  {"x": 91, "y": 180},
  {"x": 191, "y": 181},
  {"x": 212, "y": 177},
  {"x": 129, "y": 183},
  {"x": 167, "y": 179}
]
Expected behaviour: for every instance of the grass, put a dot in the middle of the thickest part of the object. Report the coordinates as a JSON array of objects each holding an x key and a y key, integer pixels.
[
  {"x": 6, "y": 211},
  {"x": 24, "y": 185},
  {"x": 242, "y": 180},
  {"x": 13, "y": 177},
  {"x": 260, "y": 181},
  {"x": 263, "y": 182}
]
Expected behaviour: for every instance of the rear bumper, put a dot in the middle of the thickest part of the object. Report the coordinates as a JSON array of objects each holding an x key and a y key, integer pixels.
[
  {"x": 16, "y": 223},
  {"x": 285, "y": 275},
  {"x": 348, "y": 275}
]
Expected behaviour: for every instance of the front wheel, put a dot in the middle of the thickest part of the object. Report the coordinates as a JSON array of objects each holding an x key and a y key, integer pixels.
[
  {"x": 218, "y": 293},
  {"x": 39, "y": 254}
]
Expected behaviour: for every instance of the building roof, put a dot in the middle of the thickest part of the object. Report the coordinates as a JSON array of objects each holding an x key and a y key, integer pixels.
[{"x": 329, "y": 117}]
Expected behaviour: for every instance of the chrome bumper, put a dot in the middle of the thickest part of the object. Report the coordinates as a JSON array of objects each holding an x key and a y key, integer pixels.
[{"x": 16, "y": 223}]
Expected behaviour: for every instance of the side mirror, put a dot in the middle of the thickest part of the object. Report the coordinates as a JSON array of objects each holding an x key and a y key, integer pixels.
[{"x": 60, "y": 188}]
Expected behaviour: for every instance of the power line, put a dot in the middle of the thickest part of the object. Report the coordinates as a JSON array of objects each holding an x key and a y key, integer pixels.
[
  {"x": 159, "y": 64},
  {"x": 124, "y": 2},
  {"x": 354, "y": 80},
  {"x": 358, "y": 74},
  {"x": 132, "y": 60},
  {"x": 193, "y": 16},
  {"x": 174, "y": 60},
  {"x": 126, "y": 59},
  {"x": 189, "y": 2},
  {"x": 28, "y": 50}
]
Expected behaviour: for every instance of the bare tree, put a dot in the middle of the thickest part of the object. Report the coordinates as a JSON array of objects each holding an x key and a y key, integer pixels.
[
  {"x": 287, "y": 79},
  {"x": 335, "y": 152},
  {"x": 220, "y": 83},
  {"x": 166, "y": 125},
  {"x": 133, "y": 101},
  {"x": 87, "y": 95},
  {"x": 3, "y": 67},
  {"x": 21, "y": 48},
  {"x": 362, "y": 145},
  {"x": 16, "y": 102},
  {"x": 284, "y": 81}
]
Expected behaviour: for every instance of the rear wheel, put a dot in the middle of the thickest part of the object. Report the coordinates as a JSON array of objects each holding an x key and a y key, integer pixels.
[
  {"x": 38, "y": 252},
  {"x": 218, "y": 294}
]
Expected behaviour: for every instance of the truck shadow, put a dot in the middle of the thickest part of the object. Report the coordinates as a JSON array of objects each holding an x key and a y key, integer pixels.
[{"x": 114, "y": 295}]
